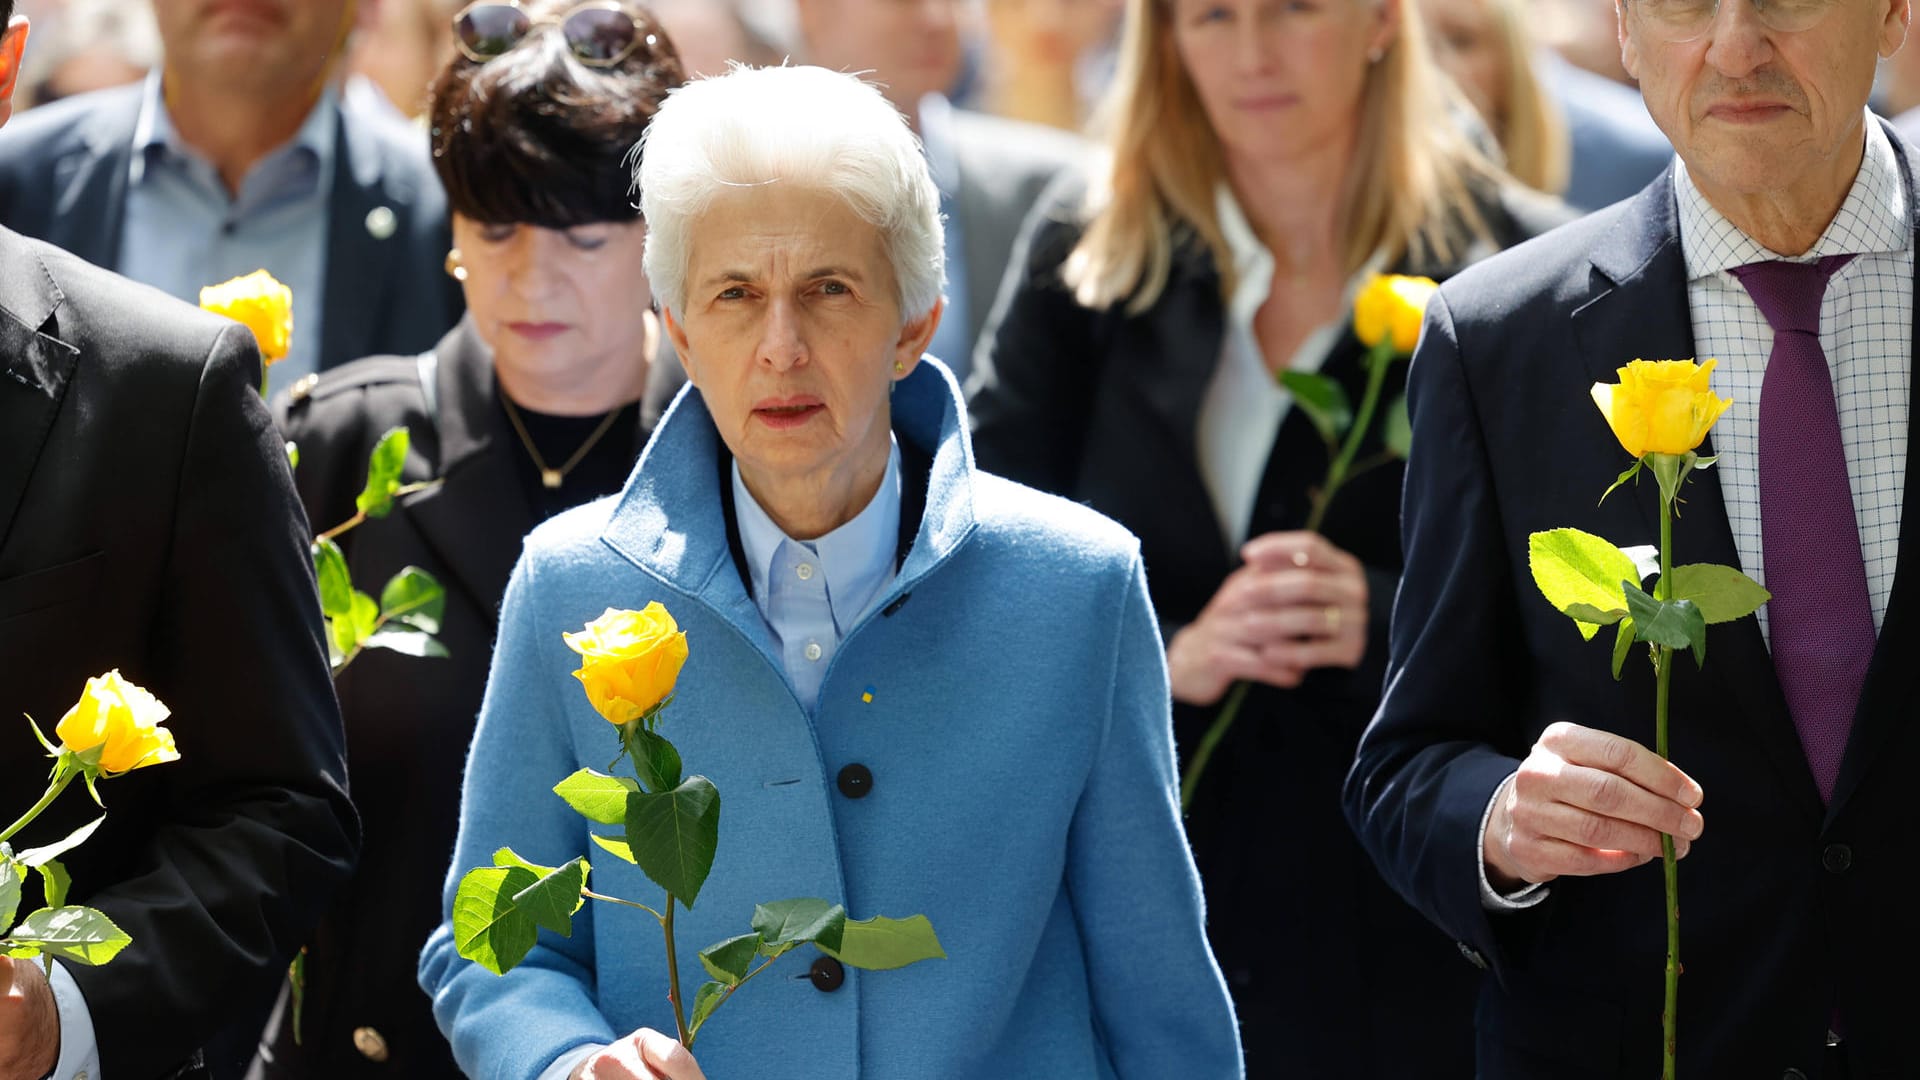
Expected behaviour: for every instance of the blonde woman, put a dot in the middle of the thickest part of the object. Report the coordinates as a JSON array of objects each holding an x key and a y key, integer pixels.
[
  {"x": 1265, "y": 155},
  {"x": 1485, "y": 47}
]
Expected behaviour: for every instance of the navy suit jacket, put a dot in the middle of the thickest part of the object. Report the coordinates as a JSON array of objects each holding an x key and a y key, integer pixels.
[
  {"x": 1791, "y": 909},
  {"x": 63, "y": 179}
]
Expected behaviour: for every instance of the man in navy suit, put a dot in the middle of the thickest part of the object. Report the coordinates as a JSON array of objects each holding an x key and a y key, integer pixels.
[
  {"x": 241, "y": 153},
  {"x": 1505, "y": 785}
]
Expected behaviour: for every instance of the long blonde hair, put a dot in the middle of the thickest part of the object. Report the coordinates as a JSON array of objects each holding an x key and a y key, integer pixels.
[
  {"x": 1532, "y": 132},
  {"x": 1409, "y": 189}
]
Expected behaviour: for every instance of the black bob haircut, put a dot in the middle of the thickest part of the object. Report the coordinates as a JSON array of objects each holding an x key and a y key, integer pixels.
[{"x": 535, "y": 137}]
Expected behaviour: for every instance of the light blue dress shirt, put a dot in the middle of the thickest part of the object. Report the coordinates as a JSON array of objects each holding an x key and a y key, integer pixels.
[
  {"x": 952, "y": 342},
  {"x": 185, "y": 231},
  {"x": 812, "y": 592}
]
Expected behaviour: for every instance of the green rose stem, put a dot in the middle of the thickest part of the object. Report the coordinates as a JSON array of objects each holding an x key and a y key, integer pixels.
[
  {"x": 1379, "y": 359},
  {"x": 62, "y": 776},
  {"x": 1669, "y": 468}
]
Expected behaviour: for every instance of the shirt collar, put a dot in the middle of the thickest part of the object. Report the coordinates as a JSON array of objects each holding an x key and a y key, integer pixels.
[
  {"x": 936, "y": 140},
  {"x": 1874, "y": 218},
  {"x": 154, "y": 133},
  {"x": 856, "y": 558},
  {"x": 1253, "y": 263}
]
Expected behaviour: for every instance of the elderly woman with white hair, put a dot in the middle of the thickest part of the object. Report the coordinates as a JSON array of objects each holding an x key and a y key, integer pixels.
[{"x": 920, "y": 688}]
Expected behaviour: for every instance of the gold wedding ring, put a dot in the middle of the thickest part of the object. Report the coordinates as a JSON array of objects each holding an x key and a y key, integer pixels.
[{"x": 1333, "y": 618}]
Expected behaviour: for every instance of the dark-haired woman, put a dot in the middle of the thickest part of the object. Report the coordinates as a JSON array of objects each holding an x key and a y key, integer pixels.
[{"x": 530, "y": 406}]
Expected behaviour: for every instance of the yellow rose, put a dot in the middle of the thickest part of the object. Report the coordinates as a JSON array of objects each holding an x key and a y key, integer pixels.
[
  {"x": 629, "y": 660},
  {"x": 121, "y": 718},
  {"x": 260, "y": 304},
  {"x": 1660, "y": 406},
  {"x": 1392, "y": 304}
]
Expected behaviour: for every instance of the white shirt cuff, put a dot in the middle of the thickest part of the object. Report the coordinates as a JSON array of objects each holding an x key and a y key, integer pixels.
[
  {"x": 1520, "y": 899},
  {"x": 79, "y": 1049},
  {"x": 564, "y": 1065}
]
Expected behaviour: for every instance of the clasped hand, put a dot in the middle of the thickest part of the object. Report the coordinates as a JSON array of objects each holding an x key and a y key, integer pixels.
[
  {"x": 29, "y": 1021},
  {"x": 1587, "y": 802},
  {"x": 644, "y": 1055},
  {"x": 1298, "y": 603}
]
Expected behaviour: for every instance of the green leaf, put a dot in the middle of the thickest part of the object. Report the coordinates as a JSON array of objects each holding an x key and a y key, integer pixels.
[
  {"x": 336, "y": 582},
  {"x": 655, "y": 761},
  {"x": 1623, "y": 640},
  {"x": 1633, "y": 470},
  {"x": 1676, "y": 624},
  {"x": 506, "y": 856},
  {"x": 729, "y": 960},
  {"x": 882, "y": 944},
  {"x": 54, "y": 882},
  {"x": 553, "y": 899},
  {"x": 1573, "y": 567},
  {"x": 488, "y": 927},
  {"x": 1722, "y": 593},
  {"x": 618, "y": 848},
  {"x": 413, "y": 598},
  {"x": 9, "y": 891},
  {"x": 293, "y": 456},
  {"x": 39, "y": 855},
  {"x": 597, "y": 796},
  {"x": 795, "y": 922},
  {"x": 1397, "y": 430},
  {"x": 406, "y": 642},
  {"x": 674, "y": 834},
  {"x": 1587, "y": 613},
  {"x": 705, "y": 1000},
  {"x": 1323, "y": 400},
  {"x": 383, "y": 474},
  {"x": 79, "y": 934}
]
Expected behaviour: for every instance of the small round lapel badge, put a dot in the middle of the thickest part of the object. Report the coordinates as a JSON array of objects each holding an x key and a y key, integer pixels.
[{"x": 382, "y": 223}]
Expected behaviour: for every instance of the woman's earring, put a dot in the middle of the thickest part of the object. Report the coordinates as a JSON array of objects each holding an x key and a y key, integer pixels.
[
  {"x": 1376, "y": 54},
  {"x": 899, "y": 367},
  {"x": 453, "y": 267}
]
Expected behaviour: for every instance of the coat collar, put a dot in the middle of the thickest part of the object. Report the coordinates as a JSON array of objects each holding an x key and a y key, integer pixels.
[
  {"x": 671, "y": 520},
  {"x": 37, "y": 367}
]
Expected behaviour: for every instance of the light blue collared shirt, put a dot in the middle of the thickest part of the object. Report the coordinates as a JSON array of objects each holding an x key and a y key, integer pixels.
[
  {"x": 184, "y": 231},
  {"x": 812, "y": 592},
  {"x": 953, "y": 341}
]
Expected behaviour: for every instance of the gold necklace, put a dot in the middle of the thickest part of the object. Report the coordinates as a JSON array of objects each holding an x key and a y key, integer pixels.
[{"x": 551, "y": 478}]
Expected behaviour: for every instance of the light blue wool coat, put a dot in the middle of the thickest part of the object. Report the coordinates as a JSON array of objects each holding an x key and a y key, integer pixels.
[{"x": 1023, "y": 798}]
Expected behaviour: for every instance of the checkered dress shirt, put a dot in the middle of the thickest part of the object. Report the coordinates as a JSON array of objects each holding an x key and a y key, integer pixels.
[{"x": 1866, "y": 329}]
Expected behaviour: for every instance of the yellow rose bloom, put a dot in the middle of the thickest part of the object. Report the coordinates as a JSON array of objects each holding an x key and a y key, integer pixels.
[
  {"x": 1660, "y": 406},
  {"x": 1392, "y": 305},
  {"x": 121, "y": 718},
  {"x": 629, "y": 660},
  {"x": 259, "y": 303}
]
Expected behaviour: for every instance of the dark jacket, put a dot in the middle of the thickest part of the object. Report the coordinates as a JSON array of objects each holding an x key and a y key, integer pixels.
[
  {"x": 408, "y": 719},
  {"x": 147, "y": 523},
  {"x": 63, "y": 179},
  {"x": 1791, "y": 909},
  {"x": 1333, "y": 976}
]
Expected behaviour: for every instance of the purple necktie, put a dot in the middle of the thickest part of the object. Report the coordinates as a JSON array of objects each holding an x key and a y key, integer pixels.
[{"x": 1820, "y": 618}]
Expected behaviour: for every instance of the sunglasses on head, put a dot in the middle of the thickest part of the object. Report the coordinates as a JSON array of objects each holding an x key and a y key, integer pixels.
[{"x": 599, "y": 33}]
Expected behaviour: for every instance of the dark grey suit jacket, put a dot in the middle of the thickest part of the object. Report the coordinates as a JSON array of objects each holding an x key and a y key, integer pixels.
[
  {"x": 148, "y": 523},
  {"x": 63, "y": 179},
  {"x": 1004, "y": 166}
]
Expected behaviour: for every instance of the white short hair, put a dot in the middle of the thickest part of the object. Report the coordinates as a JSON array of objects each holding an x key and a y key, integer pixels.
[{"x": 806, "y": 126}]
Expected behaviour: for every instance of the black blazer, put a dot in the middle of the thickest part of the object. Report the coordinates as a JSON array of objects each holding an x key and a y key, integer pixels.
[
  {"x": 1332, "y": 974},
  {"x": 408, "y": 720},
  {"x": 63, "y": 179},
  {"x": 147, "y": 522},
  {"x": 1791, "y": 908}
]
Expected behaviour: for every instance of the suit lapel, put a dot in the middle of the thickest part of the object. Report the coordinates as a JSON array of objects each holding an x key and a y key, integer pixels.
[
  {"x": 1888, "y": 699},
  {"x": 473, "y": 521},
  {"x": 1640, "y": 311},
  {"x": 37, "y": 369},
  {"x": 89, "y": 211},
  {"x": 359, "y": 262}
]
